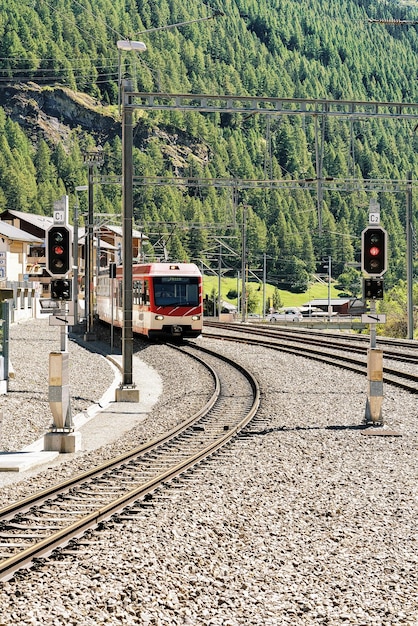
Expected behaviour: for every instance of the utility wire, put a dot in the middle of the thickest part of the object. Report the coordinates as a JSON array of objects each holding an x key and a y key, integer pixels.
[
  {"x": 99, "y": 19},
  {"x": 62, "y": 15},
  {"x": 393, "y": 22},
  {"x": 216, "y": 13},
  {"x": 35, "y": 72}
]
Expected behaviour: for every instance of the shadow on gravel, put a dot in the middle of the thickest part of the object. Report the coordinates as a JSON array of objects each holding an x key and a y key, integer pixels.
[{"x": 283, "y": 429}]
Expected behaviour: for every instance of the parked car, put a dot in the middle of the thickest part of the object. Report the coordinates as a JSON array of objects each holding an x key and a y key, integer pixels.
[
  {"x": 312, "y": 311},
  {"x": 286, "y": 315}
]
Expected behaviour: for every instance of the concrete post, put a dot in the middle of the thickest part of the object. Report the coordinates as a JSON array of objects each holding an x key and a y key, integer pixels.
[
  {"x": 375, "y": 383},
  {"x": 62, "y": 438}
]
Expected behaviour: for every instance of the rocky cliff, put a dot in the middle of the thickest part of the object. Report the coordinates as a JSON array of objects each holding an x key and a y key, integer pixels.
[{"x": 52, "y": 113}]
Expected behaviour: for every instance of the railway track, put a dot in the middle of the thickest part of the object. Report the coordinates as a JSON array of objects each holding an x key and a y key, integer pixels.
[
  {"x": 343, "y": 351},
  {"x": 50, "y": 519}
]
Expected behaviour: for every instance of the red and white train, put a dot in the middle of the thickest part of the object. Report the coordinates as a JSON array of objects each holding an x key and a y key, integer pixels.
[{"x": 167, "y": 300}]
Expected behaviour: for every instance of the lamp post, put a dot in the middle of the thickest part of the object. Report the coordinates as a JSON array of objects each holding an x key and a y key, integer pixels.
[
  {"x": 127, "y": 392},
  {"x": 75, "y": 251},
  {"x": 244, "y": 265},
  {"x": 91, "y": 158},
  {"x": 127, "y": 46},
  {"x": 409, "y": 260}
]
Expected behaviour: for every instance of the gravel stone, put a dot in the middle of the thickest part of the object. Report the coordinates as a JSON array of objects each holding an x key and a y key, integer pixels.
[
  {"x": 26, "y": 415},
  {"x": 301, "y": 520}
]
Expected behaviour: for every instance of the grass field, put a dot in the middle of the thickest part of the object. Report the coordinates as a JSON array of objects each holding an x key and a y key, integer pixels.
[{"x": 316, "y": 290}]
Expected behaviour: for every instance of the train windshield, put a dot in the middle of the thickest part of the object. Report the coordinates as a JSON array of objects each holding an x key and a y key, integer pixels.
[{"x": 176, "y": 290}]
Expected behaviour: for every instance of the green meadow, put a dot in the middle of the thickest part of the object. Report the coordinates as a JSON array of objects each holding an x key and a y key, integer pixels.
[{"x": 315, "y": 291}]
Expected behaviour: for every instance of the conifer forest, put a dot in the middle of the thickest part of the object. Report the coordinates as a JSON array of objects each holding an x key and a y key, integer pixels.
[{"x": 303, "y": 183}]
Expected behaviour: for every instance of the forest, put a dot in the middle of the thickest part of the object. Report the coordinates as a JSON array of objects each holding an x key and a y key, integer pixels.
[{"x": 363, "y": 50}]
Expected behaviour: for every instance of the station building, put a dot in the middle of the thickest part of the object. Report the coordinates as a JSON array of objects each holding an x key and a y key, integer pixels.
[{"x": 23, "y": 275}]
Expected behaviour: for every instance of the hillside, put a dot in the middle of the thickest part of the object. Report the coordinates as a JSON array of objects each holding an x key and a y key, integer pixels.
[{"x": 59, "y": 93}]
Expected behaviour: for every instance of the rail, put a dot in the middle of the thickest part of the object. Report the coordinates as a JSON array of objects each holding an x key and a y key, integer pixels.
[{"x": 47, "y": 520}]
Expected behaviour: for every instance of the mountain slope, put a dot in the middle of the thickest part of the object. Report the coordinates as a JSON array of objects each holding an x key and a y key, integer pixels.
[{"x": 257, "y": 47}]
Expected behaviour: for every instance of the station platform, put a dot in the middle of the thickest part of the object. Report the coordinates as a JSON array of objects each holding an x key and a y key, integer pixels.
[{"x": 100, "y": 425}]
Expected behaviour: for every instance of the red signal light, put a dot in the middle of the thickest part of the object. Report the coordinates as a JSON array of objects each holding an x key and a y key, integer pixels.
[
  {"x": 373, "y": 250},
  {"x": 59, "y": 251}
]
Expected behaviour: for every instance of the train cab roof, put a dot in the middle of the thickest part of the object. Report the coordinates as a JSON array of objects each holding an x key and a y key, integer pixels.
[{"x": 165, "y": 269}]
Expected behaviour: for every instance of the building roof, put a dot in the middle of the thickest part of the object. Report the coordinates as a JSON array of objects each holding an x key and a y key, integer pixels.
[
  {"x": 228, "y": 306},
  {"x": 44, "y": 222},
  {"x": 40, "y": 221},
  {"x": 118, "y": 230},
  {"x": 103, "y": 244},
  {"x": 15, "y": 234},
  {"x": 324, "y": 301}
]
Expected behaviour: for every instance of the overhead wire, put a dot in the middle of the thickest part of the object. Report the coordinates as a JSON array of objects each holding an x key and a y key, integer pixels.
[
  {"x": 99, "y": 19},
  {"x": 55, "y": 69},
  {"x": 62, "y": 15},
  {"x": 38, "y": 73},
  {"x": 14, "y": 74}
]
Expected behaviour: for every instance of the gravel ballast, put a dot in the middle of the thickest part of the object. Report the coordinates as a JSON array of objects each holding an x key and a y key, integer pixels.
[
  {"x": 301, "y": 520},
  {"x": 26, "y": 414}
]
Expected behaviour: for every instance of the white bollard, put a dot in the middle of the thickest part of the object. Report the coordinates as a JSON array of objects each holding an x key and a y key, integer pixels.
[{"x": 59, "y": 391}]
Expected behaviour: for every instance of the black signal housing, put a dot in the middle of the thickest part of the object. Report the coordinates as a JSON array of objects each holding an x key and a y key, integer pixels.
[
  {"x": 61, "y": 289},
  {"x": 59, "y": 251},
  {"x": 374, "y": 251},
  {"x": 373, "y": 288}
]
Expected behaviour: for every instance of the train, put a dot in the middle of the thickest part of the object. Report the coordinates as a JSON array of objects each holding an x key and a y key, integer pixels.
[{"x": 167, "y": 300}]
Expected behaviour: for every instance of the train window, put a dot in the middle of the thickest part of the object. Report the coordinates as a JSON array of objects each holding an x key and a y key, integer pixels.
[
  {"x": 103, "y": 286},
  {"x": 140, "y": 293},
  {"x": 136, "y": 291},
  {"x": 145, "y": 294},
  {"x": 177, "y": 290},
  {"x": 120, "y": 294}
]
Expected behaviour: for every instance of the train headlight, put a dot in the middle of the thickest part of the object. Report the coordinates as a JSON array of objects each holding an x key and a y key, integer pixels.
[
  {"x": 159, "y": 317},
  {"x": 195, "y": 318}
]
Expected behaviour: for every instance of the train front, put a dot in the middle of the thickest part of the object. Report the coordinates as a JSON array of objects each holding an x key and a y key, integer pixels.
[{"x": 176, "y": 301}]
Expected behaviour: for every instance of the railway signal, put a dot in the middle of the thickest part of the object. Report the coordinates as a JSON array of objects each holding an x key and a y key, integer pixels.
[
  {"x": 59, "y": 251},
  {"x": 373, "y": 288},
  {"x": 374, "y": 251},
  {"x": 374, "y": 263},
  {"x": 61, "y": 289}
]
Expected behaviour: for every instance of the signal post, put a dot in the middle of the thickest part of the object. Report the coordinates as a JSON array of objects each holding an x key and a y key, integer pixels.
[
  {"x": 374, "y": 264},
  {"x": 59, "y": 262}
]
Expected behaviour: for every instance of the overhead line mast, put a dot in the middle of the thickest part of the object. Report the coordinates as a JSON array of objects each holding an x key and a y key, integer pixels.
[{"x": 409, "y": 222}]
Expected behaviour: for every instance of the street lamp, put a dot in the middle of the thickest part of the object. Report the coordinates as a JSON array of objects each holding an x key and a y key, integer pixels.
[
  {"x": 127, "y": 392},
  {"x": 126, "y": 45}
]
